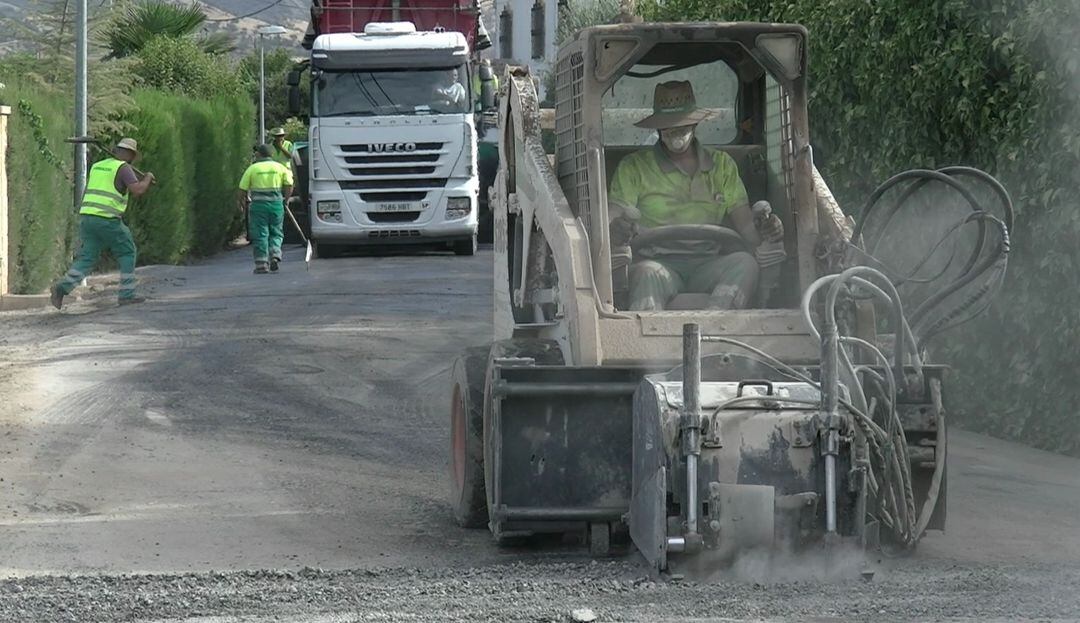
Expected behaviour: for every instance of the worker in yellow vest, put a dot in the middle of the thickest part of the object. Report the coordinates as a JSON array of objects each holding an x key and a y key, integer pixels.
[
  {"x": 283, "y": 149},
  {"x": 110, "y": 183},
  {"x": 264, "y": 190}
]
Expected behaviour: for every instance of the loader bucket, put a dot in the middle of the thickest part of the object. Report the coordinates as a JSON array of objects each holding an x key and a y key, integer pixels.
[{"x": 559, "y": 457}]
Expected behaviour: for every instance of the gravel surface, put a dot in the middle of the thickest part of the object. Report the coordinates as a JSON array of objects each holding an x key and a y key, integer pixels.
[
  {"x": 246, "y": 449},
  {"x": 615, "y": 591}
]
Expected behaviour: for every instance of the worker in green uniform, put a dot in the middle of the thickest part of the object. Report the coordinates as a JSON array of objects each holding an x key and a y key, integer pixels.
[
  {"x": 264, "y": 190},
  {"x": 283, "y": 149},
  {"x": 678, "y": 181},
  {"x": 108, "y": 186}
]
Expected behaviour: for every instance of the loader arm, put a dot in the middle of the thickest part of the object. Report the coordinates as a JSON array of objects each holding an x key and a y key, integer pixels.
[{"x": 533, "y": 221}]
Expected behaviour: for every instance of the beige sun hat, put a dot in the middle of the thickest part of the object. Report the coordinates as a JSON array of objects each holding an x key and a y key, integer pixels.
[
  {"x": 674, "y": 105},
  {"x": 277, "y": 132},
  {"x": 128, "y": 144}
]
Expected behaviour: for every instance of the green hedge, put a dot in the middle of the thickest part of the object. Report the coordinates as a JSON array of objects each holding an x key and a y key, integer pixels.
[
  {"x": 39, "y": 186},
  {"x": 196, "y": 148},
  {"x": 994, "y": 84}
]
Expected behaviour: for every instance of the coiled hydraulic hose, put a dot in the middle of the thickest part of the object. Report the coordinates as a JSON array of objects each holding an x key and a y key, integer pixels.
[{"x": 988, "y": 257}]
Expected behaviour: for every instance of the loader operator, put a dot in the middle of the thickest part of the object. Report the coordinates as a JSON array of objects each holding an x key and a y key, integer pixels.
[{"x": 681, "y": 182}]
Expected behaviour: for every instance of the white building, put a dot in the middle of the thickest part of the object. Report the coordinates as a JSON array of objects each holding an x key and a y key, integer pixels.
[{"x": 523, "y": 33}]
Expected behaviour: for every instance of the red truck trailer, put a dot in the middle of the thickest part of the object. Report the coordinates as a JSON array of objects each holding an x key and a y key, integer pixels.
[{"x": 337, "y": 16}]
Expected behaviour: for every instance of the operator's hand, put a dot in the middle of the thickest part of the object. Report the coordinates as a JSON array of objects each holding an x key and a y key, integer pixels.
[
  {"x": 772, "y": 229},
  {"x": 150, "y": 176},
  {"x": 623, "y": 231}
]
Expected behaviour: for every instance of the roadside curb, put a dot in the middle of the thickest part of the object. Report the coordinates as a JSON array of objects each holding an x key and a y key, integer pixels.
[{"x": 19, "y": 302}]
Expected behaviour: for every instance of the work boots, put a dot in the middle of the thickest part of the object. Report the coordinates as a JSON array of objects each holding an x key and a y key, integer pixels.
[{"x": 56, "y": 297}]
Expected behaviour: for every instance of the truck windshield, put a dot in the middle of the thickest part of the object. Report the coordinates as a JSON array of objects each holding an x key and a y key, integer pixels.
[{"x": 392, "y": 92}]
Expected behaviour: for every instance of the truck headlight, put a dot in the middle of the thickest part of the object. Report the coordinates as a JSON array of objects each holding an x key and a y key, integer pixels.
[
  {"x": 458, "y": 207},
  {"x": 329, "y": 211}
]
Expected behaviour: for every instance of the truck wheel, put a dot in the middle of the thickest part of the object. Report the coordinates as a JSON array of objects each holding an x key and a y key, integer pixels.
[
  {"x": 326, "y": 251},
  {"x": 467, "y": 439},
  {"x": 465, "y": 247},
  {"x": 542, "y": 352}
]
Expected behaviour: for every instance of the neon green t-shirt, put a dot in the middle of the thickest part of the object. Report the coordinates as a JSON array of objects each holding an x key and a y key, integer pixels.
[
  {"x": 265, "y": 179},
  {"x": 649, "y": 181}
]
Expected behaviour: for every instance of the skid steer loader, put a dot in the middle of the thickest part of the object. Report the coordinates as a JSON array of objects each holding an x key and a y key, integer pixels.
[{"x": 809, "y": 420}]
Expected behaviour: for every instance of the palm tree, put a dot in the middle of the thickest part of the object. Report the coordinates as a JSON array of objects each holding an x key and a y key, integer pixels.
[{"x": 138, "y": 23}]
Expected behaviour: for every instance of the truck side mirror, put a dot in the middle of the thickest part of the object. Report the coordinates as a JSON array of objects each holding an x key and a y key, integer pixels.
[
  {"x": 294, "y": 101},
  {"x": 293, "y": 80}
]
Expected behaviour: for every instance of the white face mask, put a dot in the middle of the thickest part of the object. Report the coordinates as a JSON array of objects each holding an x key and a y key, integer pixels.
[{"x": 677, "y": 140}]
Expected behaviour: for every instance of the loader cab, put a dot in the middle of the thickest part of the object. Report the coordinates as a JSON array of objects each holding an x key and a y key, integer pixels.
[{"x": 752, "y": 76}]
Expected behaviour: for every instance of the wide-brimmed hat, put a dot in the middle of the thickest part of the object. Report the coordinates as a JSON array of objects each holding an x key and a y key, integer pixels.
[
  {"x": 128, "y": 144},
  {"x": 277, "y": 132},
  {"x": 674, "y": 105}
]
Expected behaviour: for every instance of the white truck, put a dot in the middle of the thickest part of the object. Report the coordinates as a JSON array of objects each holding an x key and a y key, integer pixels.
[{"x": 392, "y": 152}]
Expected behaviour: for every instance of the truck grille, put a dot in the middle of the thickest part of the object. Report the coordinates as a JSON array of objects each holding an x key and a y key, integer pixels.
[
  {"x": 381, "y": 171},
  {"x": 395, "y": 233},
  {"x": 393, "y": 217},
  {"x": 373, "y": 149},
  {"x": 407, "y": 174},
  {"x": 398, "y": 162},
  {"x": 391, "y": 197},
  {"x": 392, "y": 184}
]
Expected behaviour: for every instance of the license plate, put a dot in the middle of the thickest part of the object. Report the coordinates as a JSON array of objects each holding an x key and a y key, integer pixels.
[{"x": 400, "y": 207}]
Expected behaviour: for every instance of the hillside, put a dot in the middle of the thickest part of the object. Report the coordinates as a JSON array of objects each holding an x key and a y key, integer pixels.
[{"x": 241, "y": 18}]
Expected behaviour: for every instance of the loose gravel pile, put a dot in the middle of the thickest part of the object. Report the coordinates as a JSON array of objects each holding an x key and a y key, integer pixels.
[{"x": 540, "y": 592}]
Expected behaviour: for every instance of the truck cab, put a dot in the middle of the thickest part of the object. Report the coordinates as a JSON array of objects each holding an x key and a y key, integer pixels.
[{"x": 391, "y": 155}]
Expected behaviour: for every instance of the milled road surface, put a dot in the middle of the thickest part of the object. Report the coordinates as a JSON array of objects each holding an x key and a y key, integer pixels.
[{"x": 273, "y": 448}]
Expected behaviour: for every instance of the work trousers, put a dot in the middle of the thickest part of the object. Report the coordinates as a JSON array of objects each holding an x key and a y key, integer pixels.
[
  {"x": 729, "y": 280},
  {"x": 265, "y": 230},
  {"x": 97, "y": 234}
]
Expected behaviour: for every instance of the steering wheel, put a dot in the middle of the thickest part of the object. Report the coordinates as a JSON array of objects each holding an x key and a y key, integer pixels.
[{"x": 681, "y": 239}]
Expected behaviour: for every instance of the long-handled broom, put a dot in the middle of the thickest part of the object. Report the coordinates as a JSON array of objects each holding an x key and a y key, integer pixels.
[{"x": 310, "y": 252}]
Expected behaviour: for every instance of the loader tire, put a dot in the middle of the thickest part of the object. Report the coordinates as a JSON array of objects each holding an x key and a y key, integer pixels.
[
  {"x": 467, "y": 439},
  {"x": 542, "y": 352}
]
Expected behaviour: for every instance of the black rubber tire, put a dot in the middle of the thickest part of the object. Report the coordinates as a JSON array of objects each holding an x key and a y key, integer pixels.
[
  {"x": 467, "y": 439},
  {"x": 543, "y": 352},
  {"x": 325, "y": 251},
  {"x": 465, "y": 247}
]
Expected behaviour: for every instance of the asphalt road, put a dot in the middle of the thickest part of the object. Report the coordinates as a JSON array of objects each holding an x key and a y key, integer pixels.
[{"x": 274, "y": 448}]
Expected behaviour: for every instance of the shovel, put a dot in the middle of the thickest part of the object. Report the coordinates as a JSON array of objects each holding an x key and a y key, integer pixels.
[
  {"x": 309, "y": 253},
  {"x": 90, "y": 140}
]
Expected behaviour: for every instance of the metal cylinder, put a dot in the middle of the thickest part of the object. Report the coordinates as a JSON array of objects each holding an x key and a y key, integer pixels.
[
  {"x": 830, "y": 405},
  {"x": 676, "y": 544},
  {"x": 691, "y": 382},
  {"x": 691, "y": 494},
  {"x": 691, "y": 419},
  {"x": 830, "y": 493}
]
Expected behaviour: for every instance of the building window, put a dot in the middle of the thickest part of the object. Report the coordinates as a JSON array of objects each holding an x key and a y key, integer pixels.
[{"x": 506, "y": 33}]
